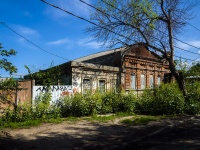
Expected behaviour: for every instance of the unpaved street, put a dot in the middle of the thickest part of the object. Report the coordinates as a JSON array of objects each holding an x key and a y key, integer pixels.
[{"x": 111, "y": 135}]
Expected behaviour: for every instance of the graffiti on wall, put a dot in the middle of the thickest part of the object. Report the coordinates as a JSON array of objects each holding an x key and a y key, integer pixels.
[
  {"x": 57, "y": 91},
  {"x": 54, "y": 88}
]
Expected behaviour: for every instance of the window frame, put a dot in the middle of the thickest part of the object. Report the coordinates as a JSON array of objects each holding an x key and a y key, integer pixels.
[
  {"x": 133, "y": 81},
  {"x": 99, "y": 86},
  {"x": 158, "y": 80},
  {"x": 151, "y": 81},
  {"x": 143, "y": 81},
  {"x": 87, "y": 85}
]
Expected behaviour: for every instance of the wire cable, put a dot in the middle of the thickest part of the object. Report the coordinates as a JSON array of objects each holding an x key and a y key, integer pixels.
[
  {"x": 96, "y": 24},
  {"x": 122, "y": 22},
  {"x": 4, "y": 24},
  {"x": 156, "y": 29}
]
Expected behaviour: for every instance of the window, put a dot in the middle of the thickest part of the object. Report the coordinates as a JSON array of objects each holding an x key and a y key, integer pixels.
[
  {"x": 101, "y": 87},
  {"x": 133, "y": 86},
  {"x": 143, "y": 81},
  {"x": 151, "y": 80},
  {"x": 158, "y": 80},
  {"x": 86, "y": 85}
]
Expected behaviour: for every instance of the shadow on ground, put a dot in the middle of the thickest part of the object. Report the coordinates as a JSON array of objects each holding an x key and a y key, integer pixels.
[{"x": 112, "y": 136}]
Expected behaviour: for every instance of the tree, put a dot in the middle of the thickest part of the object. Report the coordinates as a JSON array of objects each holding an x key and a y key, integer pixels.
[
  {"x": 46, "y": 77},
  {"x": 9, "y": 84},
  {"x": 194, "y": 70},
  {"x": 4, "y": 63},
  {"x": 155, "y": 23}
]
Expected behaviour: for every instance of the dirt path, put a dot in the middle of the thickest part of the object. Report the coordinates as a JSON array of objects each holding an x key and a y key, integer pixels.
[{"x": 79, "y": 135}]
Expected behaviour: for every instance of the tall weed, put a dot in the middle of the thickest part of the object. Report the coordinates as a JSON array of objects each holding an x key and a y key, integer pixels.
[
  {"x": 192, "y": 106},
  {"x": 164, "y": 100}
]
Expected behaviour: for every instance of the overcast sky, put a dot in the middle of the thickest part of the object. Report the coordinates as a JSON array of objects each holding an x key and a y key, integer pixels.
[{"x": 55, "y": 37}]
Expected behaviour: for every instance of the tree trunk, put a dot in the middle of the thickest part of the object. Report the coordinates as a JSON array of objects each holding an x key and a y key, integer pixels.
[{"x": 179, "y": 78}]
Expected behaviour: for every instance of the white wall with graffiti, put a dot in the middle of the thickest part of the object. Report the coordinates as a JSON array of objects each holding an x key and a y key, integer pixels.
[{"x": 57, "y": 91}]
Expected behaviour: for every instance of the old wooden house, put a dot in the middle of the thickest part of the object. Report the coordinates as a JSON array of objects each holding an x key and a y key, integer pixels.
[{"x": 132, "y": 69}]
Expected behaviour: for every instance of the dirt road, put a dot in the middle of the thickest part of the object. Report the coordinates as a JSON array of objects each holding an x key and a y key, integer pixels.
[{"x": 84, "y": 135}]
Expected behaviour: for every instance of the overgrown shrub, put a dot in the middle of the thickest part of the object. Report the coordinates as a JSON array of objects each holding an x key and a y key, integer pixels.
[
  {"x": 192, "y": 106},
  {"x": 20, "y": 114},
  {"x": 65, "y": 106},
  {"x": 81, "y": 104},
  {"x": 118, "y": 102},
  {"x": 42, "y": 110},
  {"x": 129, "y": 102},
  {"x": 96, "y": 103},
  {"x": 164, "y": 100}
]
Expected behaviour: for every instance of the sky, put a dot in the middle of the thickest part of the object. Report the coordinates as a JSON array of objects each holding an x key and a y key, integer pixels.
[{"x": 44, "y": 36}]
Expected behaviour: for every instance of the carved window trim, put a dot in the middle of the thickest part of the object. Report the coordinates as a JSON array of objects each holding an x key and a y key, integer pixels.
[
  {"x": 102, "y": 85},
  {"x": 87, "y": 85}
]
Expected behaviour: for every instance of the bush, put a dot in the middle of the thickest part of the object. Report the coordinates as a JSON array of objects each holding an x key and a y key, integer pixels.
[
  {"x": 166, "y": 99},
  {"x": 96, "y": 103},
  {"x": 79, "y": 106},
  {"x": 41, "y": 110},
  {"x": 129, "y": 103},
  {"x": 192, "y": 106},
  {"x": 118, "y": 102}
]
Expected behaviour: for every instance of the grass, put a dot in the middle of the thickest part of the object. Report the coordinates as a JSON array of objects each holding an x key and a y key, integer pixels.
[
  {"x": 141, "y": 120},
  {"x": 32, "y": 123},
  {"x": 25, "y": 124},
  {"x": 106, "y": 118},
  {"x": 137, "y": 120}
]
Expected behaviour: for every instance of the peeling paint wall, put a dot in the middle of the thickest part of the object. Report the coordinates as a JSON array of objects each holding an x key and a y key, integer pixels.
[{"x": 85, "y": 75}]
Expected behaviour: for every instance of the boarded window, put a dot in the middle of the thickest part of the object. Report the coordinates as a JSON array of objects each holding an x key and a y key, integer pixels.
[
  {"x": 86, "y": 85},
  {"x": 133, "y": 80},
  {"x": 151, "y": 80},
  {"x": 143, "y": 81},
  {"x": 101, "y": 87},
  {"x": 158, "y": 80}
]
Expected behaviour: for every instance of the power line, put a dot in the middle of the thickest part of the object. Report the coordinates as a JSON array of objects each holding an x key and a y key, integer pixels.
[
  {"x": 84, "y": 19},
  {"x": 194, "y": 26},
  {"x": 184, "y": 58},
  {"x": 97, "y": 24},
  {"x": 156, "y": 29},
  {"x": 123, "y": 22},
  {"x": 4, "y": 24}
]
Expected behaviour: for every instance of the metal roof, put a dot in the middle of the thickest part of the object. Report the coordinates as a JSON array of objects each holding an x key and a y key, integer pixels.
[{"x": 92, "y": 56}]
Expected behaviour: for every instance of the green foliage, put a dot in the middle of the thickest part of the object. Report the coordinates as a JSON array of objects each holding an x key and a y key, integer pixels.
[
  {"x": 4, "y": 63},
  {"x": 41, "y": 110},
  {"x": 140, "y": 120},
  {"x": 194, "y": 70},
  {"x": 24, "y": 124},
  {"x": 192, "y": 106},
  {"x": 47, "y": 77},
  {"x": 96, "y": 103},
  {"x": 118, "y": 102},
  {"x": 79, "y": 106},
  {"x": 181, "y": 66},
  {"x": 9, "y": 84},
  {"x": 164, "y": 100}
]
